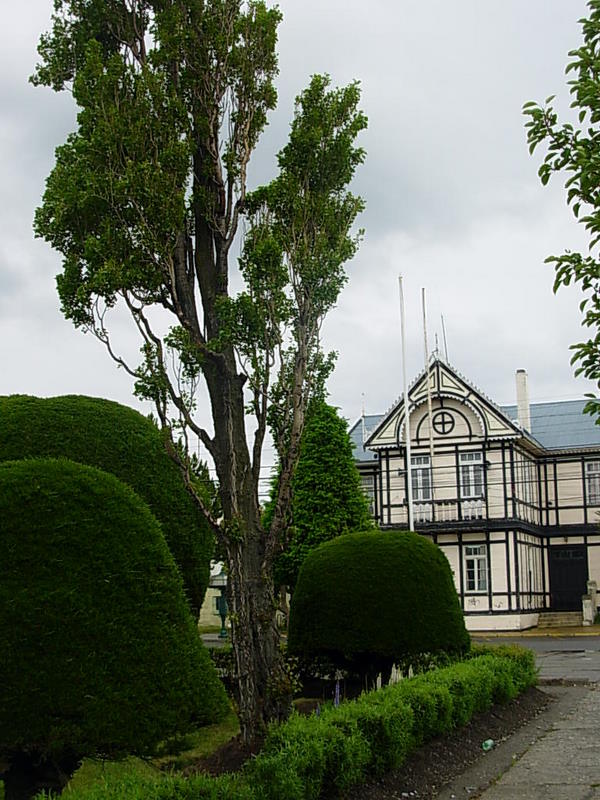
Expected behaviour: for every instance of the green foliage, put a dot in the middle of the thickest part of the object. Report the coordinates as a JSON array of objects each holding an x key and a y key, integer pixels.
[
  {"x": 130, "y": 786},
  {"x": 381, "y": 728},
  {"x": 431, "y": 704},
  {"x": 319, "y": 759},
  {"x": 144, "y": 205},
  {"x": 119, "y": 440},
  {"x": 385, "y": 725},
  {"x": 575, "y": 150},
  {"x": 327, "y": 499},
  {"x": 520, "y": 661},
  {"x": 300, "y": 230},
  {"x": 100, "y": 652},
  {"x": 368, "y": 600},
  {"x": 307, "y": 758}
]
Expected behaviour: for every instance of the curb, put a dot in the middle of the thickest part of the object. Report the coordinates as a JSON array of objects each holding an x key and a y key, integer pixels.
[{"x": 592, "y": 630}]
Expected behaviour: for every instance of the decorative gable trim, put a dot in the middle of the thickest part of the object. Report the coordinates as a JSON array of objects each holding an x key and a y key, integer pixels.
[{"x": 445, "y": 383}]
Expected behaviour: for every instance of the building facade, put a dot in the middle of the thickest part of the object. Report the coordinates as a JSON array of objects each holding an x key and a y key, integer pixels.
[{"x": 511, "y": 494}]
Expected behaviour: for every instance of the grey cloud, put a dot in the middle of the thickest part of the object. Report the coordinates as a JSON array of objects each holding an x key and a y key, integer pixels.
[{"x": 453, "y": 200}]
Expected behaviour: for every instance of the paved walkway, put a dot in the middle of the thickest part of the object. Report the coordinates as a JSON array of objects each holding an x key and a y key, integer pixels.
[
  {"x": 562, "y": 764},
  {"x": 556, "y": 756}
]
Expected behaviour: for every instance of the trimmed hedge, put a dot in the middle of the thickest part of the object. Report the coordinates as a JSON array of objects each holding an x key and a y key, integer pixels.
[
  {"x": 310, "y": 758},
  {"x": 99, "y": 651},
  {"x": 368, "y": 600},
  {"x": 117, "y": 439}
]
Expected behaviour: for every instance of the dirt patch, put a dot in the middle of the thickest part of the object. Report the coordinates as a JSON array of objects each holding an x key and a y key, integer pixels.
[
  {"x": 230, "y": 757},
  {"x": 429, "y": 768}
]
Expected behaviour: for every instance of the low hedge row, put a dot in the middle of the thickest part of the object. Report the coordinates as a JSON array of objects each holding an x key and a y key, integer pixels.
[{"x": 307, "y": 758}]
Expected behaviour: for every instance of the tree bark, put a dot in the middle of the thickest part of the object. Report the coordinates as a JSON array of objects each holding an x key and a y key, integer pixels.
[{"x": 262, "y": 691}]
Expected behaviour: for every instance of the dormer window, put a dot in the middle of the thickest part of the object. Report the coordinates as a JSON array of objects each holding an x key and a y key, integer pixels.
[{"x": 471, "y": 475}]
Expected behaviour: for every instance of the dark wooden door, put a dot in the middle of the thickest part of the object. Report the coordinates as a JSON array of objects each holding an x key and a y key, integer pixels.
[{"x": 568, "y": 576}]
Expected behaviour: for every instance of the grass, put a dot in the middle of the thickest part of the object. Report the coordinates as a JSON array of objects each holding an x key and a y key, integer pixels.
[
  {"x": 174, "y": 754},
  {"x": 92, "y": 772},
  {"x": 178, "y": 753}
]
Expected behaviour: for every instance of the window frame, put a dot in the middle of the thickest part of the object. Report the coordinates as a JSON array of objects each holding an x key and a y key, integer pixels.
[
  {"x": 592, "y": 482},
  {"x": 468, "y": 462},
  {"x": 420, "y": 467},
  {"x": 477, "y": 563}
]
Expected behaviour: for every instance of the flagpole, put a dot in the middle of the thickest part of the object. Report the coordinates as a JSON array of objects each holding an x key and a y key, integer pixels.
[
  {"x": 409, "y": 496},
  {"x": 429, "y": 406}
]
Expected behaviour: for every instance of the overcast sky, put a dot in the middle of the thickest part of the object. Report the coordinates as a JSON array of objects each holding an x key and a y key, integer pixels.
[{"x": 452, "y": 197}]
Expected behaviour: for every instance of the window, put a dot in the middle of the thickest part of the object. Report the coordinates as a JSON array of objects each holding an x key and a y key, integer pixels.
[
  {"x": 421, "y": 477},
  {"x": 443, "y": 423},
  {"x": 471, "y": 475},
  {"x": 476, "y": 568},
  {"x": 367, "y": 484},
  {"x": 592, "y": 482}
]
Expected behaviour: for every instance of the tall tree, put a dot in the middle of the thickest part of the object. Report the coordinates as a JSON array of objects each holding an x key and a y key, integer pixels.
[
  {"x": 575, "y": 150},
  {"x": 144, "y": 204},
  {"x": 327, "y": 499}
]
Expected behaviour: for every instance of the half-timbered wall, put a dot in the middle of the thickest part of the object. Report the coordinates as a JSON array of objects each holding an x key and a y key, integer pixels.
[{"x": 492, "y": 498}]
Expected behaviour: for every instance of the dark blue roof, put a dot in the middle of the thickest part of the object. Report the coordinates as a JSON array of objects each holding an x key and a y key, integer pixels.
[
  {"x": 560, "y": 425},
  {"x": 371, "y": 421}
]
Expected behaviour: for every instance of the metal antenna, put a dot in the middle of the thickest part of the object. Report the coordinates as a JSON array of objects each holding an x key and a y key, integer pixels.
[{"x": 445, "y": 341}]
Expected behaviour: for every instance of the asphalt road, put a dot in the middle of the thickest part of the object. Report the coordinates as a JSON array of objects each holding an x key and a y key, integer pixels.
[{"x": 571, "y": 659}]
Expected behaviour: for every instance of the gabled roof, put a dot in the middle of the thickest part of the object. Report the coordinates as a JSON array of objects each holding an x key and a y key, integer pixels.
[
  {"x": 559, "y": 425},
  {"x": 445, "y": 382}
]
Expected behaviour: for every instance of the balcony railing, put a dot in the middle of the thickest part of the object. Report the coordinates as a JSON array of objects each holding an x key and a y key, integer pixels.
[
  {"x": 448, "y": 510},
  {"x": 441, "y": 511}
]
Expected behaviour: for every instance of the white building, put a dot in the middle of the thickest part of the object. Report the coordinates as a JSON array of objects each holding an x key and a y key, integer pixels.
[{"x": 511, "y": 494}]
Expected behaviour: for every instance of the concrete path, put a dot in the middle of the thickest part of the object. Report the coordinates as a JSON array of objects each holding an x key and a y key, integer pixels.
[
  {"x": 562, "y": 764},
  {"x": 556, "y": 756}
]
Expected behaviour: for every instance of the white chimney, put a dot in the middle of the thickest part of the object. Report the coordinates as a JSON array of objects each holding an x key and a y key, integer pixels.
[{"x": 523, "y": 414}]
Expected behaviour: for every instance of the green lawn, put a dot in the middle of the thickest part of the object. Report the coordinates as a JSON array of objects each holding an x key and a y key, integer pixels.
[{"x": 174, "y": 754}]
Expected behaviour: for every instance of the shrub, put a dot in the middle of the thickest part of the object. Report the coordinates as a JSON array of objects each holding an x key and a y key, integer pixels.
[
  {"x": 368, "y": 600},
  {"x": 327, "y": 498},
  {"x": 117, "y": 439},
  {"x": 306, "y": 758},
  {"x": 431, "y": 705},
  {"x": 519, "y": 661},
  {"x": 385, "y": 725},
  {"x": 163, "y": 787},
  {"x": 100, "y": 652}
]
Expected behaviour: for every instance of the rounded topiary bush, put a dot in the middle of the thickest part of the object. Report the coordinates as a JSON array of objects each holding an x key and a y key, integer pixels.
[
  {"x": 100, "y": 654},
  {"x": 369, "y": 600},
  {"x": 122, "y": 441}
]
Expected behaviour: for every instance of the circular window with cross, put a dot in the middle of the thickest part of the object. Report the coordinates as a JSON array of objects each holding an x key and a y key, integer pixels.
[{"x": 443, "y": 423}]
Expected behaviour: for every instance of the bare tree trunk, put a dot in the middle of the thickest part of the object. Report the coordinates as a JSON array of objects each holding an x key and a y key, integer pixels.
[{"x": 262, "y": 692}]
